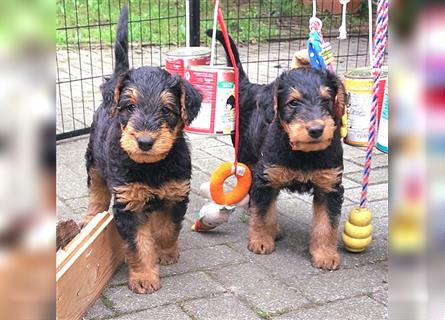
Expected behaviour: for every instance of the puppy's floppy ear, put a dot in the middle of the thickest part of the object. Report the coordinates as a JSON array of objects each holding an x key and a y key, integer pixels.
[
  {"x": 190, "y": 101},
  {"x": 340, "y": 98},
  {"x": 272, "y": 114}
]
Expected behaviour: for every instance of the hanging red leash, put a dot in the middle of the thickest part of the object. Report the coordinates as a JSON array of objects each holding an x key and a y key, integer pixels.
[
  {"x": 216, "y": 213},
  {"x": 241, "y": 171},
  {"x": 236, "y": 72}
]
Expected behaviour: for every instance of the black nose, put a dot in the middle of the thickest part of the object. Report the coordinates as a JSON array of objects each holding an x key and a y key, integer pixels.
[
  {"x": 316, "y": 131},
  {"x": 145, "y": 143}
]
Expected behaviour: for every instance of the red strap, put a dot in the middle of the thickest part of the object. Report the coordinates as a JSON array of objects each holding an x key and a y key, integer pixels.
[{"x": 235, "y": 70}]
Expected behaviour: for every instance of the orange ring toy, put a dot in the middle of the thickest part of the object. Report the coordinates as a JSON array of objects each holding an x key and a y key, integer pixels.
[{"x": 243, "y": 182}]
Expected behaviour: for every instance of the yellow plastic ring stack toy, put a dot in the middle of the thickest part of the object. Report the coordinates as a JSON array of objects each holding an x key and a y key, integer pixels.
[
  {"x": 227, "y": 169},
  {"x": 357, "y": 234}
]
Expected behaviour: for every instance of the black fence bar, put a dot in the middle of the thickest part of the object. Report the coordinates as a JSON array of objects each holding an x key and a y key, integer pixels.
[
  {"x": 72, "y": 134},
  {"x": 195, "y": 21}
]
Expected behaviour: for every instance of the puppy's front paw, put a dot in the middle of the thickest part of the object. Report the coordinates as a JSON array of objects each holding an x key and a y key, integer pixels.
[
  {"x": 265, "y": 245},
  {"x": 144, "y": 285},
  {"x": 326, "y": 260},
  {"x": 167, "y": 258}
]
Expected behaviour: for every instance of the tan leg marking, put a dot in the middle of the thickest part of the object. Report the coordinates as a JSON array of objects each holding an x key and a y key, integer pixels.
[
  {"x": 263, "y": 230},
  {"x": 143, "y": 268},
  {"x": 323, "y": 246},
  {"x": 99, "y": 196},
  {"x": 165, "y": 234}
]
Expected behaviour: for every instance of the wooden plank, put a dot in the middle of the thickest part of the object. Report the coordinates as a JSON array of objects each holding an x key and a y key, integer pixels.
[{"x": 86, "y": 265}]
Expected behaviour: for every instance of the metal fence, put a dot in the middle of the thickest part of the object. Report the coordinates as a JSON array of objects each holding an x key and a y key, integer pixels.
[{"x": 267, "y": 32}]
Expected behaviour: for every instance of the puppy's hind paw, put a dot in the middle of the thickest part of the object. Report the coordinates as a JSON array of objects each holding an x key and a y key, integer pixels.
[
  {"x": 167, "y": 259},
  {"x": 326, "y": 261}
]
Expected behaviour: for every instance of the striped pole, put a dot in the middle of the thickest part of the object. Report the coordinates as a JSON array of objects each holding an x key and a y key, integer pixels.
[{"x": 380, "y": 39}]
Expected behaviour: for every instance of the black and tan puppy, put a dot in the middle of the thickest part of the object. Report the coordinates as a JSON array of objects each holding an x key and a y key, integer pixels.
[
  {"x": 138, "y": 154},
  {"x": 289, "y": 136}
]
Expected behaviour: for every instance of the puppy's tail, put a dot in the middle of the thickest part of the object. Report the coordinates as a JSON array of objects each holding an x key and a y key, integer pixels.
[
  {"x": 121, "y": 44},
  {"x": 220, "y": 38}
]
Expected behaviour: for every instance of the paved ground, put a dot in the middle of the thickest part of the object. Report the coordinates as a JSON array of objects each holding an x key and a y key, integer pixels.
[
  {"x": 218, "y": 278},
  {"x": 80, "y": 70}
]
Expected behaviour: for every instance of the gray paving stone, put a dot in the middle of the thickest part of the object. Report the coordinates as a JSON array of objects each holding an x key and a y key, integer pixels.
[
  {"x": 349, "y": 166},
  {"x": 344, "y": 283},
  {"x": 381, "y": 296},
  {"x": 375, "y": 253},
  {"x": 196, "y": 136},
  {"x": 375, "y": 193},
  {"x": 71, "y": 150},
  {"x": 287, "y": 261},
  {"x": 203, "y": 259},
  {"x": 305, "y": 197},
  {"x": 225, "y": 152},
  {"x": 70, "y": 184},
  {"x": 207, "y": 164},
  {"x": 225, "y": 139},
  {"x": 348, "y": 183},
  {"x": 295, "y": 209},
  {"x": 350, "y": 152},
  {"x": 378, "y": 175},
  {"x": 170, "y": 312},
  {"x": 254, "y": 284},
  {"x": 198, "y": 153},
  {"x": 360, "y": 308},
  {"x": 79, "y": 205},
  {"x": 98, "y": 311},
  {"x": 233, "y": 231},
  {"x": 195, "y": 204},
  {"x": 219, "y": 308},
  {"x": 378, "y": 160},
  {"x": 174, "y": 289},
  {"x": 62, "y": 210},
  {"x": 202, "y": 142},
  {"x": 198, "y": 177},
  {"x": 190, "y": 260}
]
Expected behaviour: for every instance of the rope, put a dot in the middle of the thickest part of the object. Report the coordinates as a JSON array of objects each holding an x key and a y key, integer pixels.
[
  {"x": 215, "y": 18},
  {"x": 236, "y": 72},
  {"x": 342, "y": 30},
  {"x": 381, "y": 38}
]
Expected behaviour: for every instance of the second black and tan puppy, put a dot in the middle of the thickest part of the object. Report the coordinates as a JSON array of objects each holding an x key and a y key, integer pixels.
[
  {"x": 289, "y": 136},
  {"x": 137, "y": 153}
]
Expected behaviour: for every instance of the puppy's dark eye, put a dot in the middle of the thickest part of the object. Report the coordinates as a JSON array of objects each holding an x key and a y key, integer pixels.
[
  {"x": 168, "y": 112},
  {"x": 293, "y": 103},
  {"x": 131, "y": 108}
]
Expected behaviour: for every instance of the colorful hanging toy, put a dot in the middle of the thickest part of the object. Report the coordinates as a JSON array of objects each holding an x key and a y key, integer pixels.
[
  {"x": 217, "y": 212},
  {"x": 319, "y": 52},
  {"x": 357, "y": 234}
]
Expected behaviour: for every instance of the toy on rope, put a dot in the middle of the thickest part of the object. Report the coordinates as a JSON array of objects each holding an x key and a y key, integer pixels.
[
  {"x": 357, "y": 233},
  {"x": 213, "y": 214},
  {"x": 342, "y": 30},
  {"x": 217, "y": 212},
  {"x": 319, "y": 53}
]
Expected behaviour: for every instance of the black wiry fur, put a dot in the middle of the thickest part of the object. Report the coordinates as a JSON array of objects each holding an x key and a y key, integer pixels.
[
  {"x": 105, "y": 153},
  {"x": 263, "y": 142}
]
